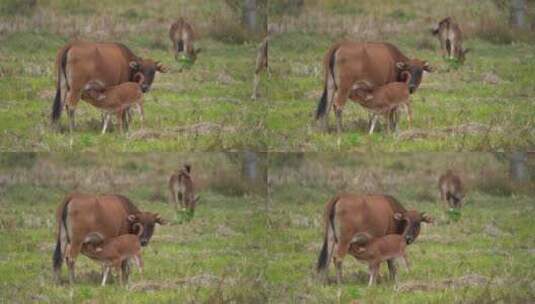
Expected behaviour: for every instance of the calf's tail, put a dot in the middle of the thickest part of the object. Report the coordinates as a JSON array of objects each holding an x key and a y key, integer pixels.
[
  {"x": 325, "y": 253},
  {"x": 57, "y": 106}
]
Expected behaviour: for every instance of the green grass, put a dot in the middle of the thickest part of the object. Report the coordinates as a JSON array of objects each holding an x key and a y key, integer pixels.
[
  {"x": 205, "y": 107},
  {"x": 491, "y": 246},
  {"x": 450, "y": 97},
  {"x": 217, "y": 256}
]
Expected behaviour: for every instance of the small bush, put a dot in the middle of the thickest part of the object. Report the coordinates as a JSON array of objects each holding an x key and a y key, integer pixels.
[
  {"x": 495, "y": 31},
  {"x": 227, "y": 30},
  {"x": 17, "y": 7}
]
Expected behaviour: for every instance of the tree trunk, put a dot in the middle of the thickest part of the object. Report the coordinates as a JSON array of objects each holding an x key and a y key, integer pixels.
[
  {"x": 518, "y": 169},
  {"x": 250, "y": 15},
  {"x": 518, "y": 13},
  {"x": 250, "y": 166}
]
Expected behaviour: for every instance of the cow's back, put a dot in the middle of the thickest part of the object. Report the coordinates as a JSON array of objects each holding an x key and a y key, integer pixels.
[
  {"x": 374, "y": 63},
  {"x": 107, "y": 62},
  {"x": 365, "y": 213}
]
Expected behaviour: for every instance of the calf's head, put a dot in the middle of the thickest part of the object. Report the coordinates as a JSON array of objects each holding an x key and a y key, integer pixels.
[
  {"x": 148, "y": 221},
  {"x": 94, "y": 89},
  {"x": 147, "y": 68},
  {"x": 410, "y": 222},
  {"x": 415, "y": 68}
]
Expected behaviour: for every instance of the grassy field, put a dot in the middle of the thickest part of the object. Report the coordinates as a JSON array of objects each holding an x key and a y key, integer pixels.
[
  {"x": 486, "y": 104},
  {"x": 218, "y": 257},
  {"x": 205, "y": 108},
  {"x": 486, "y": 257}
]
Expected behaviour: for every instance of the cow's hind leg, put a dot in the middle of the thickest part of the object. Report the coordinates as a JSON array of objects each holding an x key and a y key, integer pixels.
[
  {"x": 73, "y": 250},
  {"x": 340, "y": 252},
  {"x": 339, "y": 101},
  {"x": 73, "y": 95}
]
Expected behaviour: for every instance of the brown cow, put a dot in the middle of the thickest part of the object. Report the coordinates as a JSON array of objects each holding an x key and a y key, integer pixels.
[
  {"x": 348, "y": 214},
  {"x": 182, "y": 36},
  {"x": 375, "y": 251},
  {"x": 80, "y": 62},
  {"x": 451, "y": 189},
  {"x": 369, "y": 65},
  {"x": 182, "y": 189},
  {"x": 261, "y": 64},
  {"x": 114, "y": 252},
  {"x": 110, "y": 215},
  {"x": 450, "y": 36}
]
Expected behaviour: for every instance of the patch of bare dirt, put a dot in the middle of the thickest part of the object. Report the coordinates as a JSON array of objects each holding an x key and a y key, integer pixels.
[
  {"x": 467, "y": 280},
  {"x": 491, "y": 78},
  {"x": 468, "y": 128}
]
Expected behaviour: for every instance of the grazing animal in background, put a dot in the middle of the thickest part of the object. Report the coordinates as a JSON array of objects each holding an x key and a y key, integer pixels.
[
  {"x": 451, "y": 189},
  {"x": 110, "y": 215},
  {"x": 385, "y": 99},
  {"x": 370, "y": 65},
  {"x": 261, "y": 64},
  {"x": 80, "y": 62},
  {"x": 116, "y": 100},
  {"x": 182, "y": 36},
  {"x": 375, "y": 251},
  {"x": 114, "y": 252},
  {"x": 450, "y": 36},
  {"x": 182, "y": 189},
  {"x": 348, "y": 214}
]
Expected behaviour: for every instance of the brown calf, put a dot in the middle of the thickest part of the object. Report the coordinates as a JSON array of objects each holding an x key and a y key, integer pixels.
[
  {"x": 348, "y": 214},
  {"x": 116, "y": 100},
  {"x": 384, "y": 100},
  {"x": 451, "y": 189},
  {"x": 182, "y": 36},
  {"x": 450, "y": 36},
  {"x": 261, "y": 64},
  {"x": 110, "y": 215},
  {"x": 182, "y": 189},
  {"x": 375, "y": 251},
  {"x": 370, "y": 65},
  {"x": 114, "y": 252}
]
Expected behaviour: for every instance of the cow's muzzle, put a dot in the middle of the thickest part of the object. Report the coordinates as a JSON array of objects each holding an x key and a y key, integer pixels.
[
  {"x": 145, "y": 88},
  {"x": 144, "y": 242},
  {"x": 412, "y": 88},
  {"x": 409, "y": 239}
]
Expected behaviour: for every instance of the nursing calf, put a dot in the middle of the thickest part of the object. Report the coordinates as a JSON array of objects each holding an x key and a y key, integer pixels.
[
  {"x": 114, "y": 252},
  {"x": 116, "y": 100},
  {"x": 375, "y": 251},
  {"x": 348, "y": 214},
  {"x": 384, "y": 100}
]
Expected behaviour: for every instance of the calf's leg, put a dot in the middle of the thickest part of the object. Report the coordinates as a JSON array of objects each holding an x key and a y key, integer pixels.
[{"x": 392, "y": 269}]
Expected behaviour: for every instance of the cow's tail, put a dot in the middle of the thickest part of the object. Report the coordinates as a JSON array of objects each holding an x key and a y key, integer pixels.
[
  {"x": 328, "y": 247},
  {"x": 57, "y": 106},
  {"x": 61, "y": 242},
  {"x": 329, "y": 61}
]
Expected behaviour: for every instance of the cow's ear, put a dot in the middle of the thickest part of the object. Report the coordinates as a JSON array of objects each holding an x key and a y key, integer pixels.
[
  {"x": 398, "y": 216},
  {"x": 426, "y": 218},
  {"x": 131, "y": 218},
  {"x": 160, "y": 67},
  {"x": 427, "y": 67},
  {"x": 402, "y": 65},
  {"x": 134, "y": 65}
]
